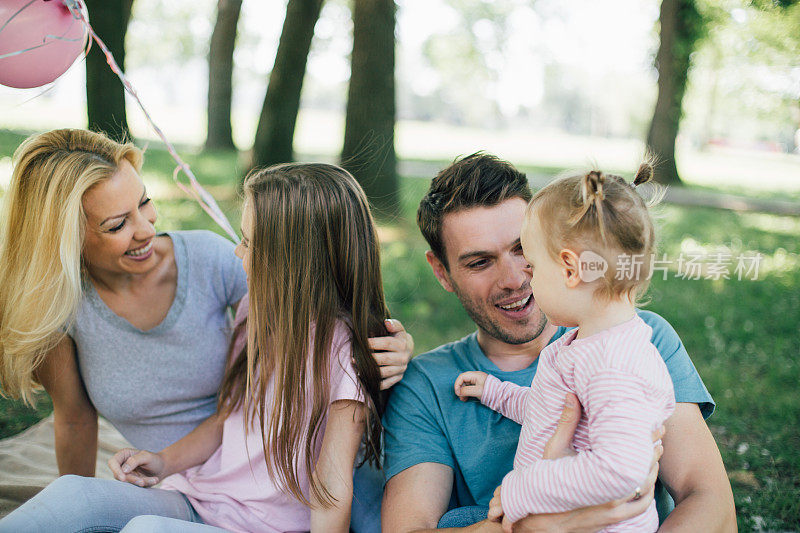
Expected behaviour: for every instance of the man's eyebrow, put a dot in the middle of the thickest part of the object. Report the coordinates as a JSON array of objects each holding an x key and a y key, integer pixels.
[
  {"x": 144, "y": 194},
  {"x": 483, "y": 253}
]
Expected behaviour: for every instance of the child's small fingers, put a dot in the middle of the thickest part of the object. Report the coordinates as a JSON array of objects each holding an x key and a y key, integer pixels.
[
  {"x": 115, "y": 469},
  {"x": 119, "y": 458},
  {"x": 133, "y": 479},
  {"x": 470, "y": 391},
  {"x": 135, "y": 461}
]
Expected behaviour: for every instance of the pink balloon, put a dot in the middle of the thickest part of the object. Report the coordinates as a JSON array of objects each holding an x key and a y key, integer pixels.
[{"x": 51, "y": 37}]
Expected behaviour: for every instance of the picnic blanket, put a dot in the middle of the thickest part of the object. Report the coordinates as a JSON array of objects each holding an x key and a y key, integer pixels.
[{"x": 28, "y": 461}]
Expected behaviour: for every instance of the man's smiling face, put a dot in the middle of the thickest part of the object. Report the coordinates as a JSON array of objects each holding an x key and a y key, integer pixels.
[{"x": 488, "y": 272}]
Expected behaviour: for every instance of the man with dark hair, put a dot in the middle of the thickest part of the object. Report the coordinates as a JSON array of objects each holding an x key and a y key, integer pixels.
[
  {"x": 443, "y": 457},
  {"x": 479, "y": 179}
]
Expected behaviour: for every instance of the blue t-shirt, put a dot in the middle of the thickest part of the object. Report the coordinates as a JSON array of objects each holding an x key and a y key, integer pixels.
[{"x": 425, "y": 422}]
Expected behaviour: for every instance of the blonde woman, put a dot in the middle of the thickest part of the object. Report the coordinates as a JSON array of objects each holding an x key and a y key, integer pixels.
[{"x": 107, "y": 315}]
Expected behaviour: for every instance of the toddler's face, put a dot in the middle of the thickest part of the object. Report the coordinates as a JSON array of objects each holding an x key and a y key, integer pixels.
[{"x": 548, "y": 285}]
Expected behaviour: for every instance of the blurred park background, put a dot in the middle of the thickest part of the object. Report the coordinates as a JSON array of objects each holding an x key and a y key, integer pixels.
[{"x": 396, "y": 91}]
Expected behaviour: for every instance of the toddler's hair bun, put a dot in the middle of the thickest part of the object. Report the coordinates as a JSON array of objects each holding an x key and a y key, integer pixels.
[{"x": 644, "y": 174}]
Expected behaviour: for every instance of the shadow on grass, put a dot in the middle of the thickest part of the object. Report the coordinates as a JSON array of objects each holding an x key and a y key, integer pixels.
[{"x": 742, "y": 336}]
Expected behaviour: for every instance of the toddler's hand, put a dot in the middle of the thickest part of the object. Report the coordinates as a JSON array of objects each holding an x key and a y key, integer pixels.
[
  {"x": 470, "y": 385},
  {"x": 138, "y": 467},
  {"x": 495, "y": 507}
]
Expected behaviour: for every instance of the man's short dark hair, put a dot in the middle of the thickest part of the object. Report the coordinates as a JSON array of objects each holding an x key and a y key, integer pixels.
[{"x": 477, "y": 180}]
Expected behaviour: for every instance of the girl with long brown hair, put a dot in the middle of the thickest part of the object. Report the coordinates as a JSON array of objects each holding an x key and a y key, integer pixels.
[{"x": 298, "y": 401}]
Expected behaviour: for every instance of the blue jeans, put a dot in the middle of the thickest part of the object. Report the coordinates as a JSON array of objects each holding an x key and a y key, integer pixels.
[
  {"x": 463, "y": 516},
  {"x": 90, "y": 505},
  {"x": 162, "y": 524}
]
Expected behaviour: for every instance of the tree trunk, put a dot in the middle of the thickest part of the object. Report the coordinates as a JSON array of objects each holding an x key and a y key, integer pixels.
[
  {"x": 368, "y": 151},
  {"x": 220, "y": 76},
  {"x": 105, "y": 96},
  {"x": 275, "y": 131},
  {"x": 681, "y": 26}
]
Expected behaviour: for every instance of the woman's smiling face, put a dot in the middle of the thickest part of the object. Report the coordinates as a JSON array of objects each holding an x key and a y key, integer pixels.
[{"x": 120, "y": 222}]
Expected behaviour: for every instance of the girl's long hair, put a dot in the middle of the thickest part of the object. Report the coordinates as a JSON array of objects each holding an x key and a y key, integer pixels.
[
  {"x": 314, "y": 263},
  {"x": 42, "y": 229}
]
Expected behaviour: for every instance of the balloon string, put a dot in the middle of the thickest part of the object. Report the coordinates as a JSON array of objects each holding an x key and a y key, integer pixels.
[{"x": 194, "y": 189}]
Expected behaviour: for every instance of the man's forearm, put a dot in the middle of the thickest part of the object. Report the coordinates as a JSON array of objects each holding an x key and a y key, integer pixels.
[
  {"x": 484, "y": 526},
  {"x": 701, "y": 511},
  {"x": 693, "y": 473}
]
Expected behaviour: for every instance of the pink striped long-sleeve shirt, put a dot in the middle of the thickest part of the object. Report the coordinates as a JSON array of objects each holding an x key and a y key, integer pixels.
[{"x": 626, "y": 392}]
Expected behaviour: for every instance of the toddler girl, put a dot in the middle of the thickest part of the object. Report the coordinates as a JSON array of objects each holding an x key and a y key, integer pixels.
[{"x": 589, "y": 241}]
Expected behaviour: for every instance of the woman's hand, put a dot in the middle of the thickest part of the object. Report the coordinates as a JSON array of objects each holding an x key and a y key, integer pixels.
[
  {"x": 138, "y": 467},
  {"x": 392, "y": 353}
]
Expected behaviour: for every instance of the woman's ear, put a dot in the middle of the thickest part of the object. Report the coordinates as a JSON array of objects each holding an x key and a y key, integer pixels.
[{"x": 570, "y": 267}]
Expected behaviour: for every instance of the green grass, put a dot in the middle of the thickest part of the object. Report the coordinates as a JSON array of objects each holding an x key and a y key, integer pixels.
[{"x": 742, "y": 335}]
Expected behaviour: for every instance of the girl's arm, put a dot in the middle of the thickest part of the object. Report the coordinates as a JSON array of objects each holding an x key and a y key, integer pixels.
[
  {"x": 506, "y": 398},
  {"x": 74, "y": 416},
  {"x": 195, "y": 448},
  {"x": 334, "y": 468},
  {"x": 144, "y": 468}
]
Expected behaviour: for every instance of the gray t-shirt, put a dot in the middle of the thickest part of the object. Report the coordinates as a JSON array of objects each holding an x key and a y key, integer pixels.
[{"x": 156, "y": 386}]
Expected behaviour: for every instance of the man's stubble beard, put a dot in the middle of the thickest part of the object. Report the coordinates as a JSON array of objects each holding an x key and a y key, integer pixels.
[{"x": 494, "y": 329}]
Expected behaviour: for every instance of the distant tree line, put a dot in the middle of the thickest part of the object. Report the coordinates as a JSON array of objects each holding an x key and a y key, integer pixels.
[{"x": 368, "y": 146}]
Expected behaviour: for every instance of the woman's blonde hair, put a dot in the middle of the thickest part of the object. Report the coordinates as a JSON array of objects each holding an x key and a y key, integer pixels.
[
  {"x": 602, "y": 213},
  {"x": 43, "y": 227}
]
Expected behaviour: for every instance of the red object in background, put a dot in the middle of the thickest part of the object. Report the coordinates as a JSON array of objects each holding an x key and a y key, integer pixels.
[{"x": 39, "y": 41}]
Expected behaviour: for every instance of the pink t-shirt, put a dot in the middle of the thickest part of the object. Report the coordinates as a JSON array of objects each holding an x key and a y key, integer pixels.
[
  {"x": 232, "y": 489},
  {"x": 626, "y": 392}
]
